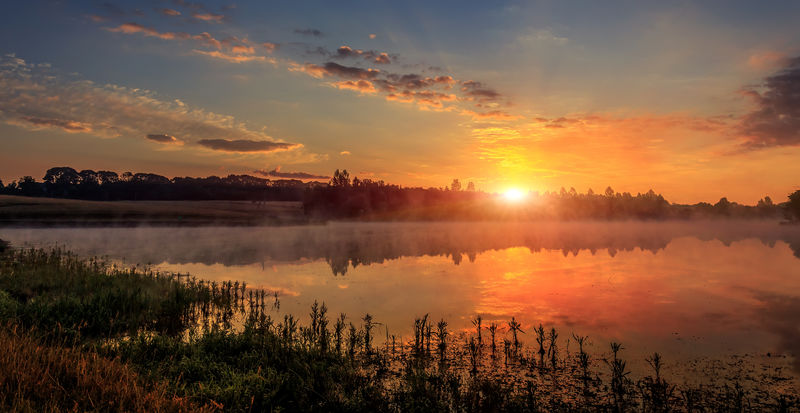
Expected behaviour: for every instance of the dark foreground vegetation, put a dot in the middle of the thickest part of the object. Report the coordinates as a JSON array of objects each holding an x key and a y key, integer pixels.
[
  {"x": 83, "y": 335},
  {"x": 346, "y": 198}
]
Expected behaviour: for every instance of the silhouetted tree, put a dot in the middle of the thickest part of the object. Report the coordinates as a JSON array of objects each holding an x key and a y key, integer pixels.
[
  {"x": 722, "y": 206},
  {"x": 62, "y": 175},
  {"x": 340, "y": 179},
  {"x": 456, "y": 185},
  {"x": 793, "y": 206},
  {"x": 470, "y": 186},
  {"x": 107, "y": 177},
  {"x": 27, "y": 186}
]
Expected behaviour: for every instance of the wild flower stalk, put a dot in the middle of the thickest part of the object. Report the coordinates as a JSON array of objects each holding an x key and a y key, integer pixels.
[
  {"x": 492, "y": 332},
  {"x": 474, "y": 355},
  {"x": 619, "y": 377},
  {"x": 441, "y": 334},
  {"x": 368, "y": 325},
  {"x": 352, "y": 342},
  {"x": 540, "y": 339},
  {"x": 477, "y": 323},
  {"x": 338, "y": 330},
  {"x": 322, "y": 329},
  {"x": 515, "y": 327},
  {"x": 552, "y": 349},
  {"x": 420, "y": 326}
]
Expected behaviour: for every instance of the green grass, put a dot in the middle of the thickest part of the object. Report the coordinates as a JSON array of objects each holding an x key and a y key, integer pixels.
[{"x": 182, "y": 343}]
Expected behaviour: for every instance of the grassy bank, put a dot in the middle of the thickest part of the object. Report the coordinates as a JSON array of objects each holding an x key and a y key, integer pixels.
[
  {"x": 30, "y": 211},
  {"x": 96, "y": 337}
]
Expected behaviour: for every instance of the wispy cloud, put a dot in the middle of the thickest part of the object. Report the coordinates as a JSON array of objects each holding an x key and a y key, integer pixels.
[
  {"x": 372, "y": 56},
  {"x": 233, "y": 58},
  {"x": 97, "y": 19},
  {"x": 38, "y": 97},
  {"x": 209, "y": 17},
  {"x": 65, "y": 125},
  {"x": 541, "y": 37},
  {"x": 276, "y": 173},
  {"x": 478, "y": 91},
  {"x": 363, "y": 86},
  {"x": 332, "y": 69},
  {"x": 246, "y": 145},
  {"x": 309, "y": 32},
  {"x": 490, "y": 115},
  {"x": 163, "y": 138},
  {"x": 427, "y": 92},
  {"x": 132, "y": 28},
  {"x": 169, "y": 12}
]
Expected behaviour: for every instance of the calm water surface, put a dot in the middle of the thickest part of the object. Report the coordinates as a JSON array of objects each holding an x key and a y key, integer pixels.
[{"x": 689, "y": 290}]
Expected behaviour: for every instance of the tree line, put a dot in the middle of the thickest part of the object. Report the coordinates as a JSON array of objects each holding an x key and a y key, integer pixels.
[
  {"x": 354, "y": 198},
  {"x": 344, "y": 197},
  {"x": 66, "y": 182}
]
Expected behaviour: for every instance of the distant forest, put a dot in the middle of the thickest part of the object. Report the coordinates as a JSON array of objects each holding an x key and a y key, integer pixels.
[
  {"x": 66, "y": 182},
  {"x": 346, "y": 198}
]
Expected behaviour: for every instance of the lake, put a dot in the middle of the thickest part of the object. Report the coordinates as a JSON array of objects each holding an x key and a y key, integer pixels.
[{"x": 689, "y": 290}]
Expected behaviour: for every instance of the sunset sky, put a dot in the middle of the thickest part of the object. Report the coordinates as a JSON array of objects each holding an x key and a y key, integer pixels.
[{"x": 694, "y": 100}]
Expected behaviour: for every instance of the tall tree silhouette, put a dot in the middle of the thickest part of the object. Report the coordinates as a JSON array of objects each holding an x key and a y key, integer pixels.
[{"x": 793, "y": 206}]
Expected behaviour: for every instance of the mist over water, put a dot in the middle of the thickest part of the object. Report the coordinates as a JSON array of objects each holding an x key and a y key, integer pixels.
[{"x": 687, "y": 289}]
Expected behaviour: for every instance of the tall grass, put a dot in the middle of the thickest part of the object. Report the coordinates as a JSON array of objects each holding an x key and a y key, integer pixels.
[{"x": 35, "y": 377}]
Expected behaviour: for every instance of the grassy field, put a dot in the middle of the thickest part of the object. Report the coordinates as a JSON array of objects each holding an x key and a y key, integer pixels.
[
  {"x": 27, "y": 211},
  {"x": 82, "y": 335}
]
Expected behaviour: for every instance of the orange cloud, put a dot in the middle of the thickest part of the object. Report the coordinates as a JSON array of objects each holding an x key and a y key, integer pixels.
[
  {"x": 209, "y": 17},
  {"x": 164, "y": 139},
  {"x": 132, "y": 28},
  {"x": 69, "y": 126},
  {"x": 362, "y": 86},
  {"x": 370, "y": 55},
  {"x": 491, "y": 115},
  {"x": 233, "y": 58},
  {"x": 208, "y": 40},
  {"x": 270, "y": 47},
  {"x": 243, "y": 49},
  {"x": 766, "y": 59},
  {"x": 332, "y": 69},
  {"x": 170, "y": 12},
  {"x": 246, "y": 145}
]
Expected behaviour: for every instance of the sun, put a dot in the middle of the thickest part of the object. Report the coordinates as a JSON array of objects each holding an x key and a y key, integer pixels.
[{"x": 514, "y": 195}]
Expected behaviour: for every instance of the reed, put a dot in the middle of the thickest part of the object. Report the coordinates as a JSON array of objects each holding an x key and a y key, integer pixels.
[
  {"x": 477, "y": 323},
  {"x": 338, "y": 332},
  {"x": 441, "y": 335},
  {"x": 492, "y": 333}
]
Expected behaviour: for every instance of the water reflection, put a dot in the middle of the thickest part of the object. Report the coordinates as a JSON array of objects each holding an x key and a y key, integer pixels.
[
  {"x": 685, "y": 289},
  {"x": 348, "y": 245}
]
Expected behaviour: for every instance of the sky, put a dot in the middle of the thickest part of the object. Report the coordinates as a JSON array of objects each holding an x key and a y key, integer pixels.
[{"x": 695, "y": 100}]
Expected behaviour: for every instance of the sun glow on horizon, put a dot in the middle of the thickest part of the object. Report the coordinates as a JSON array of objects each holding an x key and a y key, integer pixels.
[{"x": 514, "y": 195}]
